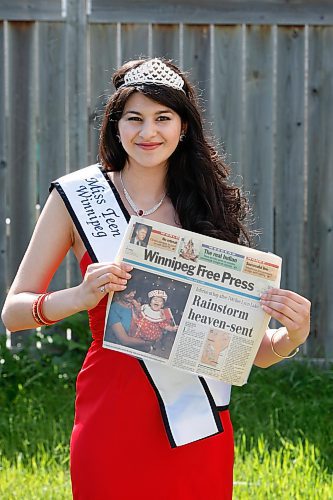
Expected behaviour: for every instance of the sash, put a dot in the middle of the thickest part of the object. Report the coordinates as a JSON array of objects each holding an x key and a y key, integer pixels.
[{"x": 189, "y": 404}]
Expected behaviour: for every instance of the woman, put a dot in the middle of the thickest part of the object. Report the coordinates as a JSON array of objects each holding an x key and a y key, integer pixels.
[{"x": 158, "y": 164}]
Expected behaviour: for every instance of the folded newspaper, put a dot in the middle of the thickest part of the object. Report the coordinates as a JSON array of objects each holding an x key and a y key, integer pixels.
[{"x": 193, "y": 302}]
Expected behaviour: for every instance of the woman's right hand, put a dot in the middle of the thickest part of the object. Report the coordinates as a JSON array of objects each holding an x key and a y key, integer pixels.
[{"x": 100, "y": 279}]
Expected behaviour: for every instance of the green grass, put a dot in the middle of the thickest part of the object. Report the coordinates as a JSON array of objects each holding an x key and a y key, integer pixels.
[{"x": 282, "y": 420}]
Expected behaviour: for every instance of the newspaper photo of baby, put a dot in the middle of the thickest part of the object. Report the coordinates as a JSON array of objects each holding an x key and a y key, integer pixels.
[
  {"x": 148, "y": 312},
  {"x": 217, "y": 341}
]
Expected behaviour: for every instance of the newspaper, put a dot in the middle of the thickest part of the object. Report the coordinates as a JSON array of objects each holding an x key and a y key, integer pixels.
[{"x": 193, "y": 302}]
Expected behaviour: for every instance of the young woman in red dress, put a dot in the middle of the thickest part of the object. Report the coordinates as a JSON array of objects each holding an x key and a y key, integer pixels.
[{"x": 157, "y": 160}]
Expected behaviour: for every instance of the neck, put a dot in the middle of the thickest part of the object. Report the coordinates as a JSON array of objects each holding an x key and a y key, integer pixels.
[{"x": 146, "y": 185}]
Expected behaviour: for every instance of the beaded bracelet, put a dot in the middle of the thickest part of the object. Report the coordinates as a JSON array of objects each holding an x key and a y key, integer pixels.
[
  {"x": 279, "y": 355},
  {"x": 37, "y": 311}
]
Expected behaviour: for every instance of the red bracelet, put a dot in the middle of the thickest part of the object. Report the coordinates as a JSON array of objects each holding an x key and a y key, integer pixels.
[
  {"x": 37, "y": 310},
  {"x": 35, "y": 313},
  {"x": 40, "y": 302}
]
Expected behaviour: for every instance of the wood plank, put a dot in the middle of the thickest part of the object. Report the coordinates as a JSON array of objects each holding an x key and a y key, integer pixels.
[
  {"x": 196, "y": 61},
  {"x": 289, "y": 189},
  {"x": 165, "y": 41},
  {"x": 134, "y": 41},
  {"x": 22, "y": 165},
  {"x": 31, "y": 10},
  {"x": 22, "y": 142},
  {"x": 260, "y": 12},
  {"x": 103, "y": 62},
  {"x": 76, "y": 99},
  {"x": 226, "y": 101},
  {"x": 258, "y": 130},
  {"x": 3, "y": 176},
  {"x": 52, "y": 116},
  {"x": 320, "y": 188},
  {"x": 52, "y": 108}
]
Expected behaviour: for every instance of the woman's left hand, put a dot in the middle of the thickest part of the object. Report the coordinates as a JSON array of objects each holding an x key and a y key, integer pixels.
[{"x": 291, "y": 310}]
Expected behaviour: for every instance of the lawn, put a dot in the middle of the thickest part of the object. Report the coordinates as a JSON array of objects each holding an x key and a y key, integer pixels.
[{"x": 282, "y": 420}]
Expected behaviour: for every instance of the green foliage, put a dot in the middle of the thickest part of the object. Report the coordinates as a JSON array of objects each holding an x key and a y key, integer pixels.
[
  {"x": 37, "y": 393},
  {"x": 292, "y": 401},
  {"x": 293, "y": 470},
  {"x": 282, "y": 421}
]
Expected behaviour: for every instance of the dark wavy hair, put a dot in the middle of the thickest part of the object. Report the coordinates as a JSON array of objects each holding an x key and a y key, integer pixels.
[{"x": 197, "y": 175}]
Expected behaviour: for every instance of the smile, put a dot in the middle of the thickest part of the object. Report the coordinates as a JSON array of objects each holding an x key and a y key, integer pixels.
[{"x": 148, "y": 145}]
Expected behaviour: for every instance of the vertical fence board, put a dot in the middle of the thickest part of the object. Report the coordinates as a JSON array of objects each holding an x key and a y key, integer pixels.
[
  {"x": 134, "y": 41},
  {"x": 22, "y": 143},
  {"x": 196, "y": 60},
  {"x": 3, "y": 175},
  {"x": 76, "y": 99},
  {"x": 165, "y": 41},
  {"x": 103, "y": 61},
  {"x": 320, "y": 188},
  {"x": 52, "y": 116},
  {"x": 21, "y": 139},
  {"x": 226, "y": 101},
  {"x": 258, "y": 134},
  {"x": 52, "y": 109},
  {"x": 290, "y": 174}
]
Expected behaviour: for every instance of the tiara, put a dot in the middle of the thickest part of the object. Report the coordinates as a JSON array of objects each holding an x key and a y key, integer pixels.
[
  {"x": 156, "y": 72},
  {"x": 158, "y": 293}
]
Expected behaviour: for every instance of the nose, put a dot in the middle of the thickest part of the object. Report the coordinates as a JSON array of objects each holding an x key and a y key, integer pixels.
[{"x": 148, "y": 129}]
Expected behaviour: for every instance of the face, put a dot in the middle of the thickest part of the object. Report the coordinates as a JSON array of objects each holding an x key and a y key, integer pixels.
[
  {"x": 157, "y": 303},
  {"x": 149, "y": 131},
  {"x": 141, "y": 233},
  {"x": 128, "y": 297}
]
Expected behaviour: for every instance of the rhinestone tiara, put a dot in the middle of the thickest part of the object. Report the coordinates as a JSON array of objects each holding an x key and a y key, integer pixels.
[{"x": 156, "y": 72}]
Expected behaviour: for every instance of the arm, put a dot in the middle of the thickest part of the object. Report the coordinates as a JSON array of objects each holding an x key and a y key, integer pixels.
[
  {"x": 293, "y": 312},
  {"x": 50, "y": 242},
  {"x": 124, "y": 339}
]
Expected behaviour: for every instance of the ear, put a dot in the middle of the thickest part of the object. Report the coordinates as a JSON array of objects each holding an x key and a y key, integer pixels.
[{"x": 184, "y": 128}]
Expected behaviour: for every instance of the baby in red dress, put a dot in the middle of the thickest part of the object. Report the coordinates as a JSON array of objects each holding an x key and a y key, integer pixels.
[{"x": 152, "y": 319}]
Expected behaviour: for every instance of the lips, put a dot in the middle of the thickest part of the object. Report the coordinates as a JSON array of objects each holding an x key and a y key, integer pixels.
[{"x": 149, "y": 145}]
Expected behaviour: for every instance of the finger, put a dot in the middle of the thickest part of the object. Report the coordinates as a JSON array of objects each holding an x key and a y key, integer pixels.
[
  {"x": 110, "y": 278},
  {"x": 299, "y": 299},
  {"x": 289, "y": 323},
  {"x": 283, "y": 304},
  {"x": 112, "y": 269},
  {"x": 114, "y": 287},
  {"x": 125, "y": 266},
  {"x": 289, "y": 298},
  {"x": 281, "y": 310},
  {"x": 121, "y": 270}
]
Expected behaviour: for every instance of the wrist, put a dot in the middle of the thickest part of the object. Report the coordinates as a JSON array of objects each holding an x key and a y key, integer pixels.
[
  {"x": 79, "y": 303},
  {"x": 282, "y": 345}
]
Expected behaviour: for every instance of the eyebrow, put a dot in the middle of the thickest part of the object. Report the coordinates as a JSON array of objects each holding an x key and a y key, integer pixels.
[{"x": 157, "y": 112}]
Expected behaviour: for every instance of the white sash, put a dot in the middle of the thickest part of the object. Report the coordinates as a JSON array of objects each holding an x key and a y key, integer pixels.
[{"x": 189, "y": 404}]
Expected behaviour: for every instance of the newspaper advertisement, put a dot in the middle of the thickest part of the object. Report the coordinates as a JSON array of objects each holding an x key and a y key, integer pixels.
[{"x": 193, "y": 301}]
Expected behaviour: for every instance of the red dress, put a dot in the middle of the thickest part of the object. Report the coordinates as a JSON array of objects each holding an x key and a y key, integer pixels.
[{"x": 119, "y": 447}]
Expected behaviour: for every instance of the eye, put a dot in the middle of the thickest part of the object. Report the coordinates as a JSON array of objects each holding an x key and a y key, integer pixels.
[
  {"x": 163, "y": 118},
  {"x": 134, "y": 119}
]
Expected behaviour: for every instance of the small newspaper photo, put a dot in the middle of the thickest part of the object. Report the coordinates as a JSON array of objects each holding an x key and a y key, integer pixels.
[{"x": 193, "y": 302}]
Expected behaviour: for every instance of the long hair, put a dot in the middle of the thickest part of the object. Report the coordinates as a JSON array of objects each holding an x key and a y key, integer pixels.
[{"x": 197, "y": 176}]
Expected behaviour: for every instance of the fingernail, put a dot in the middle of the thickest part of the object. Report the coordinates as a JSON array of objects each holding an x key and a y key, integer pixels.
[
  {"x": 128, "y": 267},
  {"x": 128, "y": 276}
]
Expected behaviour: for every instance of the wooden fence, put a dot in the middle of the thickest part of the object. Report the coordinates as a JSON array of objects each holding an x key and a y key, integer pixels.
[{"x": 264, "y": 70}]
